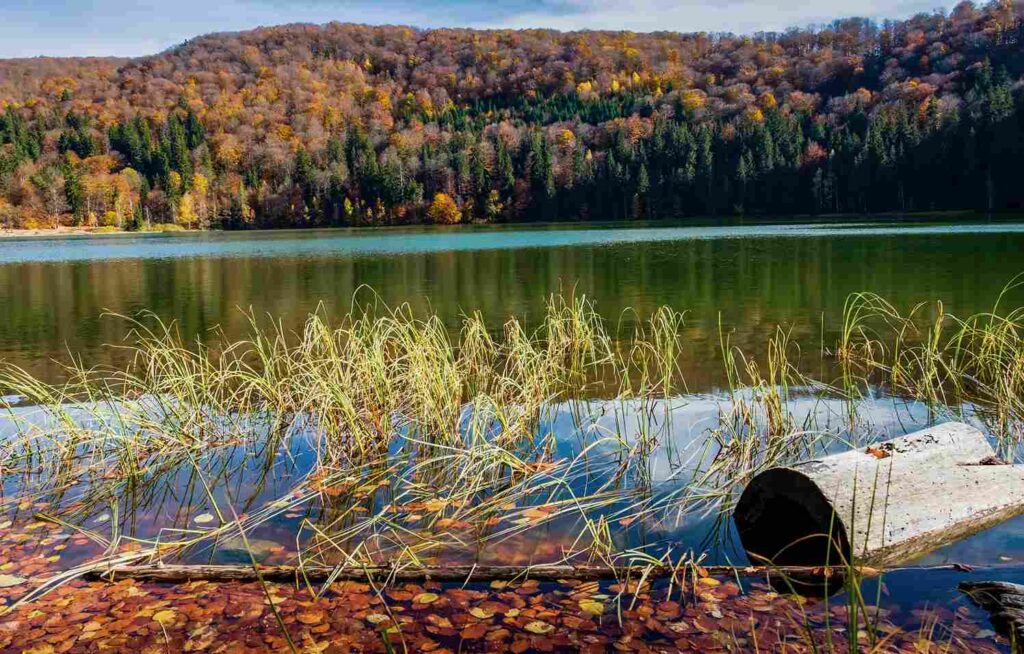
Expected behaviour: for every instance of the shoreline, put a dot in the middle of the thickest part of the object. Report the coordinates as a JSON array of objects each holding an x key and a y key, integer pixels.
[
  {"x": 923, "y": 216},
  {"x": 64, "y": 231}
]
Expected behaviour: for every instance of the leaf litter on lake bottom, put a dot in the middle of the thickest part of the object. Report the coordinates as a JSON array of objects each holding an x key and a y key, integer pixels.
[{"x": 715, "y": 615}]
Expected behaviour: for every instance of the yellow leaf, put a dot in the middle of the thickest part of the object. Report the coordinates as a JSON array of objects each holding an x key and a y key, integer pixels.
[
  {"x": 165, "y": 617},
  {"x": 592, "y": 606},
  {"x": 426, "y": 598},
  {"x": 709, "y": 581},
  {"x": 480, "y": 613},
  {"x": 538, "y": 627},
  {"x": 434, "y": 505}
]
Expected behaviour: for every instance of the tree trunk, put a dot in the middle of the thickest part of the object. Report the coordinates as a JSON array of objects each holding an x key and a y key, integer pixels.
[{"x": 879, "y": 505}]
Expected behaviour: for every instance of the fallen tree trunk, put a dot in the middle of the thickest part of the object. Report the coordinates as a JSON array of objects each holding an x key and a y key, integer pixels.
[
  {"x": 879, "y": 505},
  {"x": 178, "y": 573}
]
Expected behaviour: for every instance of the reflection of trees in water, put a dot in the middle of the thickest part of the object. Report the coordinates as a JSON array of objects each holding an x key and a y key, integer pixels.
[{"x": 50, "y": 308}]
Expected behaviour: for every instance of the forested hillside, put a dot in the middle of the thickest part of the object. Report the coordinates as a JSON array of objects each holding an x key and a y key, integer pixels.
[{"x": 346, "y": 124}]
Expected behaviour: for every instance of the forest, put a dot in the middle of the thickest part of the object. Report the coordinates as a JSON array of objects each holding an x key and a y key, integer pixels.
[{"x": 342, "y": 124}]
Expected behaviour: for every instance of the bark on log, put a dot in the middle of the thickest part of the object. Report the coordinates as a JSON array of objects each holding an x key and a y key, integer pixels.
[{"x": 881, "y": 505}]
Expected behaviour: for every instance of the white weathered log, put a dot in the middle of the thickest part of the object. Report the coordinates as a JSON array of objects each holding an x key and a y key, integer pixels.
[{"x": 883, "y": 504}]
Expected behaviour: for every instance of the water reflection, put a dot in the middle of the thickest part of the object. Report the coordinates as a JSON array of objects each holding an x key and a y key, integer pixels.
[
  {"x": 53, "y": 293},
  {"x": 644, "y": 467}
]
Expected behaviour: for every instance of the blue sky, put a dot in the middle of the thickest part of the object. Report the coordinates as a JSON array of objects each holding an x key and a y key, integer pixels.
[{"x": 122, "y": 28}]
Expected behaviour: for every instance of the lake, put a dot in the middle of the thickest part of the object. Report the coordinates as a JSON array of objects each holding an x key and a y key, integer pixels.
[
  {"x": 344, "y": 469},
  {"x": 54, "y": 292}
]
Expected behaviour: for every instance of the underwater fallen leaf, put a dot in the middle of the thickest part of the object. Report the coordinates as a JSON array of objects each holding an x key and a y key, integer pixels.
[
  {"x": 203, "y": 518},
  {"x": 474, "y": 631},
  {"x": 592, "y": 606},
  {"x": 165, "y": 617},
  {"x": 426, "y": 598},
  {"x": 6, "y": 581},
  {"x": 435, "y": 505},
  {"x": 538, "y": 627}
]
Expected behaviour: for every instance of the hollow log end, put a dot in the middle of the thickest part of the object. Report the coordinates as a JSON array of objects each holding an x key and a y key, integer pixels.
[{"x": 784, "y": 519}]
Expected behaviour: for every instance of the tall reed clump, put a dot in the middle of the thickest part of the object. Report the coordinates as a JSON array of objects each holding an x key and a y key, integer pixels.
[{"x": 973, "y": 365}]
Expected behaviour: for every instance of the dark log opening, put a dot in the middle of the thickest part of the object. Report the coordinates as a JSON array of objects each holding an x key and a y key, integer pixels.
[{"x": 783, "y": 519}]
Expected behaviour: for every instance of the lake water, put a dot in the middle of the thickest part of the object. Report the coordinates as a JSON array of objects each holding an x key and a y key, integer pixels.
[
  {"x": 54, "y": 292},
  {"x": 747, "y": 278}
]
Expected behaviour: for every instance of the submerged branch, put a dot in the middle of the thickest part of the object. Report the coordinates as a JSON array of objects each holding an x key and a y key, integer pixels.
[{"x": 464, "y": 573}]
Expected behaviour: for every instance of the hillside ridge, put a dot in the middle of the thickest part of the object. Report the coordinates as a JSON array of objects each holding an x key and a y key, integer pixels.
[{"x": 343, "y": 123}]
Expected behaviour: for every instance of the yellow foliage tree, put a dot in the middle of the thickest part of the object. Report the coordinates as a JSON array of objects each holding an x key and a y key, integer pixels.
[
  {"x": 187, "y": 210},
  {"x": 753, "y": 116},
  {"x": 444, "y": 211},
  {"x": 693, "y": 99},
  {"x": 767, "y": 100},
  {"x": 200, "y": 193}
]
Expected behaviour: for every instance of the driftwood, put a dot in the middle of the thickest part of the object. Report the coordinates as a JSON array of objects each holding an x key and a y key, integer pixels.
[
  {"x": 180, "y": 573},
  {"x": 175, "y": 573},
  {"x": 1005, "y": 605},
  {"x": 880, "y": 505}
]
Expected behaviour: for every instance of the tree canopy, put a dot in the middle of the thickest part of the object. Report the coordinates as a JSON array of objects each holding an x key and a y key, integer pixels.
[{"x": 348, "y": 124}]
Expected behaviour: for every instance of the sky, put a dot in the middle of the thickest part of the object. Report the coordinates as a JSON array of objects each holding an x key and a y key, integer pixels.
[{"x": 31, "y": 28}]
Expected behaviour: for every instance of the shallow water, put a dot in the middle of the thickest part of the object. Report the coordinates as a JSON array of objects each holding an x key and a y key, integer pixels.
[{"x": 595, "y": 442}]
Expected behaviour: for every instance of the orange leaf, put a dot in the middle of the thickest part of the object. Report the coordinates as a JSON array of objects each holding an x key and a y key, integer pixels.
[{"x": 878, "y": 453}]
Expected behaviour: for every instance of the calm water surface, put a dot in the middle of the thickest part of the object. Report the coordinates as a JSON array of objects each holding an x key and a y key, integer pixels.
[
  {"x": 54, "y": 292},
  {"x": 748, "y": 278}
]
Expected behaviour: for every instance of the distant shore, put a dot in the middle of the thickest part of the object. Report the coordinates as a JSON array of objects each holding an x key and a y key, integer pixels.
[
  {"x": 964, "y": 215},
  {"x": 64, "y": 230}
]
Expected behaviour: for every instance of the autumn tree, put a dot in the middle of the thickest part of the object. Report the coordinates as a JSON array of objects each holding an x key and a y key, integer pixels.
[{"x": 443, "y": 210}]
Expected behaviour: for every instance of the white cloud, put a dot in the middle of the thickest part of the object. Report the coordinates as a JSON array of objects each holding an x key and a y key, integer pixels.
[
  {"x": 116, "y": 27},
  {"x": 739, "y": 16}
]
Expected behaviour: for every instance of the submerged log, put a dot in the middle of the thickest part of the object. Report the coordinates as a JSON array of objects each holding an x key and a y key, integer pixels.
[
  {"x": 879, "y": 505},
  {"x": 1005, "y": 604},
  {"x": 178, "y": 573}
]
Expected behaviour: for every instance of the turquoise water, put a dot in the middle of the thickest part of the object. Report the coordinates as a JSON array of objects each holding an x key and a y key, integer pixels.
[{"x": 366, "y": 242}]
